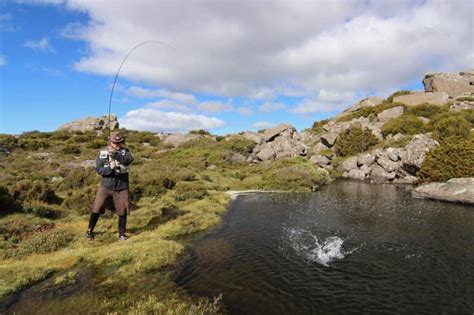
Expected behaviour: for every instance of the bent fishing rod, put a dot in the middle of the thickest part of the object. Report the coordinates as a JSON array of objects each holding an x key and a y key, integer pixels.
[{"x": 120, "y": 68}]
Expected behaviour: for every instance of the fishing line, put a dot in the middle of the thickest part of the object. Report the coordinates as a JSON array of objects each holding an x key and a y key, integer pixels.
[{"x": 120, "y": 68}]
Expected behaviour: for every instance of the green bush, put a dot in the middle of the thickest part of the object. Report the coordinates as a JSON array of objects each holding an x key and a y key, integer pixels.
[
  {"x": 426, "y": 110},
  {"x": 238, "y": 144},
  {"x": 71, "y": 149},
  {"x": 96, "y": 144},
  {"x": 79, "y": 177},
  {"x": 317, "y": 127},
  {"x": 405, "y": 124},
  {"x": 43, "y": 242},
  {"x": 302, "y": 177},
  {"x": 33, "y": 144},
  {"x": 452, "y": 158},
  {"x": 8, "y": 141},
  {"x": 451, "y": 125},
  {"x": 37, "y": 190},
  {"x": 190, "y": 190},
  {"x": 355, "y": 140},
  {"x": 200, "y": 132},
  {"x": 7, "y": 203},
  {"x": 41, "y": 210},
  {"x": 80, "y": 200},
  {"x": 398, "y": 93}
]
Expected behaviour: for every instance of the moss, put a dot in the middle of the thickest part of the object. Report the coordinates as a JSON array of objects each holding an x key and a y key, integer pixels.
[
  {"x": 452, "y": 158},
  {"x": 405, "y": 124},
  {"x": 355, "y": 140}
]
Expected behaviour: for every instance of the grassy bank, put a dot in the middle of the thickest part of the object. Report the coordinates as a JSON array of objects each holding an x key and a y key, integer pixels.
[{"x": 46, "y": 193}]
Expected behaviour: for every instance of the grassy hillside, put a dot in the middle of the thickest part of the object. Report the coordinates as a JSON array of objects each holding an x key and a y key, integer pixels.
[{"x": 47, "y": 188}]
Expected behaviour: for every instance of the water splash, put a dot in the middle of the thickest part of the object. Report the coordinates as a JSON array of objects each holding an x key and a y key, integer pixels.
[{"x": 310, "y": 247}]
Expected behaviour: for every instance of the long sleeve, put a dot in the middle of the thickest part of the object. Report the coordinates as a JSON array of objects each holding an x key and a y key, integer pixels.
[
  {"x": 124, "y": 157},
  {"x": 100, "y": 168}
]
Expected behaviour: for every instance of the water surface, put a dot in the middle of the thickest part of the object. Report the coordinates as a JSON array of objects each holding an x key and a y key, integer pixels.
[{"x": 352, "y": 247}]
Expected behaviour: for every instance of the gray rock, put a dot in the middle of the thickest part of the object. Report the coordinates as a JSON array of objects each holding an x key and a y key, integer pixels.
[
  {"x": 367, "y": 102},
  {"x": 91, "y": 123},
  {"x": 350, "y": 163},
  {"x": 406, "y": 180},
  {"x": 435, "y": 98},
  {"x": 366, "y": 159},
  {"x": 270, "y": 134},
  {"x": 254, "y": 136},
  {"x": 459, "y": 190},
  {"x": 88, "y": 163},
  {"x": 387, "y": 164},
  {"x": 178, "y": 139},
  {"x": 365, "y": 169},
  {"x": 320, "y": 160},
  {"x": 266, "y": 154},
  {"x": 235, "y": 158},
  {"x": 355, "y": 174},
  {"x": 393, "y": 154},
  {"x": 329, "y": 139},
  {"x": 390, "y": 114},
  {"x": 379, "y": 174},
  {"x": 416, "y": 152},
  {"x": 454, "y": 84},
  {"x": 319, "y": 147},
  {"x": 423, "y": 119}
]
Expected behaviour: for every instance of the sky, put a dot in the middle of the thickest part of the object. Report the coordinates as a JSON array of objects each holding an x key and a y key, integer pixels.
[{"x": 222, "y": 66}]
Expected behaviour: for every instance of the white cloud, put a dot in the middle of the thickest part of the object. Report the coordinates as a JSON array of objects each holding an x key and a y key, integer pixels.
[
  {"x": 176, "y": 96},
  {"x": 344, "y": 48},
  {"x": 48, "y": 70},
  {"x": 158, "y": 121},
  {"x": 215, "y": 107},
  {"x": 169, "y": 105},
  {"x": 42, "y": 45},
  {"x": 245, "y": 111},
  {"x": 3, "y": 61},
  {"x": 271, "y": 107},
  {"x": 263, "y": 125}
]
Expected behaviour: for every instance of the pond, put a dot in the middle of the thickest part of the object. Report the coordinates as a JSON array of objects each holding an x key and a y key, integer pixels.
[{"x": 351, "y": 247}]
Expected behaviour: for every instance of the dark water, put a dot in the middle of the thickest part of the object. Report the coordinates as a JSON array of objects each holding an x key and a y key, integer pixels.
[{"x": 350, "y": 248}]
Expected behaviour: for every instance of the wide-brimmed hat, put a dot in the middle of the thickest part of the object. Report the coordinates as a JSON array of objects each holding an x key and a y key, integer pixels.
[{"x": 116, "y": 137}]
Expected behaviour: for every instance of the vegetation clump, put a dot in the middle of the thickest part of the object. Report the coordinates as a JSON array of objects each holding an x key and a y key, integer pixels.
[
  {"x": 452, "y": 158},
  {"x": 447, "y": 125},
  {"x": 406, "y": 124},
  {"x": 317, "y": 127},
  {"x": 355, "y": 140}
]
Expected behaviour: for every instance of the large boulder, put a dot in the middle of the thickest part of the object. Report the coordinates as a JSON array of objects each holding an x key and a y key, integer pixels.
[
  {"x": 415, "y": 152},
  {"x": 270, "y": 134},
  {"x": 379, "y": 174},
  {"x": 350, "y": 163},
  {"x": 92, "y": 123},
  {"x": 459, "y": 190},
  {"x": 329, "y": 139},
  {"x": 390, "y": 114},
  {"x": 366, "y": 102},
  {"x": 355, "y": 174},
  {"x": 454, "y": 84},
  {"x": 254, "y": 136},
  {"x": 177, "y": 139},
  {"x": 320, "y": 160},
  {"x": 435, "y": 98},
  {"x": 266, "y": 154}
]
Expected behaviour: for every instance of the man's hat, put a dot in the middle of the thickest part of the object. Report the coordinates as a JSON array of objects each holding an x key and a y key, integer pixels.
[{"x": 116, "y": 137}]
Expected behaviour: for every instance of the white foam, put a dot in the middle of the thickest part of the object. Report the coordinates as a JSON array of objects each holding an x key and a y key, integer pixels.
[{"x": 308, "y": 246}]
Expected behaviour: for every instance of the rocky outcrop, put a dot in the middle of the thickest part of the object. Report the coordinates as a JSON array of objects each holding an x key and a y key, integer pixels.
[
  {"x": 465, "y": 101},
  {"x": 91, "y": 124},
  {"x": 177, "y": 139},
  {"x": 366, "y": 102},
  {"x": 278, "y": 142},
  {"x": 390, "y": 114},
  {"x": 454, "y": 84},
  {"x": 435, "y": 98},
  {"x": 398, "y": 165},
  {"x": 459, "y": 190}
]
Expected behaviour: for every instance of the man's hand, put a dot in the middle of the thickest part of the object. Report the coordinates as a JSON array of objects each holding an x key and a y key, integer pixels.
[{"x": 113, "y": 164}]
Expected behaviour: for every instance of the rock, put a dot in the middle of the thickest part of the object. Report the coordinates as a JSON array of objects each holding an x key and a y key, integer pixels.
[
  {"x": 387, "y": 164},
  {"x": 366, "y": 102},
  {"x": 319, "y": 147},
  {"x": 320, "y": 160},
  {"x": 266, "y": 154},
  {"x": 454, "y": 84},
  {"x": 366, "y": 159},
  {"x": 379, "y": 174},
  {"x": 423, "y": 119},
  {"x": 270, "y": 134},
  {"x": 329, "y": 139},
  {"x": 235, "y": 158},
  {"x": 88, "y": 163},
  {"x": 350, "y": 163},
  {"x": 355, "y": 174},
  {"x": 254, "y": 136},
  {"x": 465, "y": 101},
  {"x": 390, "y": 114},
  {"x": 393, "y": 154},
  {"x": 406, "y": 180},
  {"x": 177, "y": 139},
  {"x": 416, "y": 152},
  {"x": 459, "y": 190},
  {"x": 91, "y": 123},
  {"x": 365, "y": 169},
  {"x": 435, "y": 98},
  {"x": 4, "y": 151}
]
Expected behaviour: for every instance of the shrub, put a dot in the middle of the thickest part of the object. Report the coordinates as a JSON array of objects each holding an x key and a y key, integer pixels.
[
  {"x": 79, "y": 177},
  {"x": 80, "y": 200},
  {"x": 405, "y": 124},
  {"x": 355, "y": 140},
  {"x": 33, "y": 144},
  {"x": 426, "y": 110},
  {"x": 398, "y": 93},
  {"x": 7, "y": 203},
  {"x": 317, "y": 127},
  {"x": 27, "y": 190},
  {"x": 190, "y": 190},
  {"x": 200, "y": 132},
  {"x": 452, "y": 158},
  {"x": 238, "y": 144},
  {"x": 41, "y": 210},
  {"x": 451, "y": 125},
  {"x": 71, "y": 149},
  {"x": 43, "y": 242},
  {"x": 96, "y": 144},
  {"x": 303, "y": 177},
  {"x": 8, "y": 141}
]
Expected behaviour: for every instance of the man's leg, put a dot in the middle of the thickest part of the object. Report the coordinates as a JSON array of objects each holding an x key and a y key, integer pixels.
[
  {"x": 121, "y": 208},
  {"x": 97, "y": 208}
]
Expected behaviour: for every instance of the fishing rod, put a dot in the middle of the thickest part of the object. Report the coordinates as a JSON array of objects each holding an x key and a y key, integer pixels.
[{"x": 120, "y": 68}]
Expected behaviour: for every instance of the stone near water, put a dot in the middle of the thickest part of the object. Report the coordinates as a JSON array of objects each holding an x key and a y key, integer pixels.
[{"x": 459, "y": 190}]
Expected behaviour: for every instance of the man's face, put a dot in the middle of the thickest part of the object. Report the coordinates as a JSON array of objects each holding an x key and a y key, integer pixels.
[{"x": 116, "y": 145}]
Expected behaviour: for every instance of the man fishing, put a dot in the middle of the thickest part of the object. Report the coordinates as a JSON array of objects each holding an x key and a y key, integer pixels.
[{"x": 112, "y": 163}]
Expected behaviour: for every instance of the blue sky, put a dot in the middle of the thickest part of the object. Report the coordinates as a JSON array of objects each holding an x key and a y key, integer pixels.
[{"x": 234, "y": 66}]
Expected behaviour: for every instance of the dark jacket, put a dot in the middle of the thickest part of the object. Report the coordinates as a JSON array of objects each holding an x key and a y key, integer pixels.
[{"x": 116, "y": 179}]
